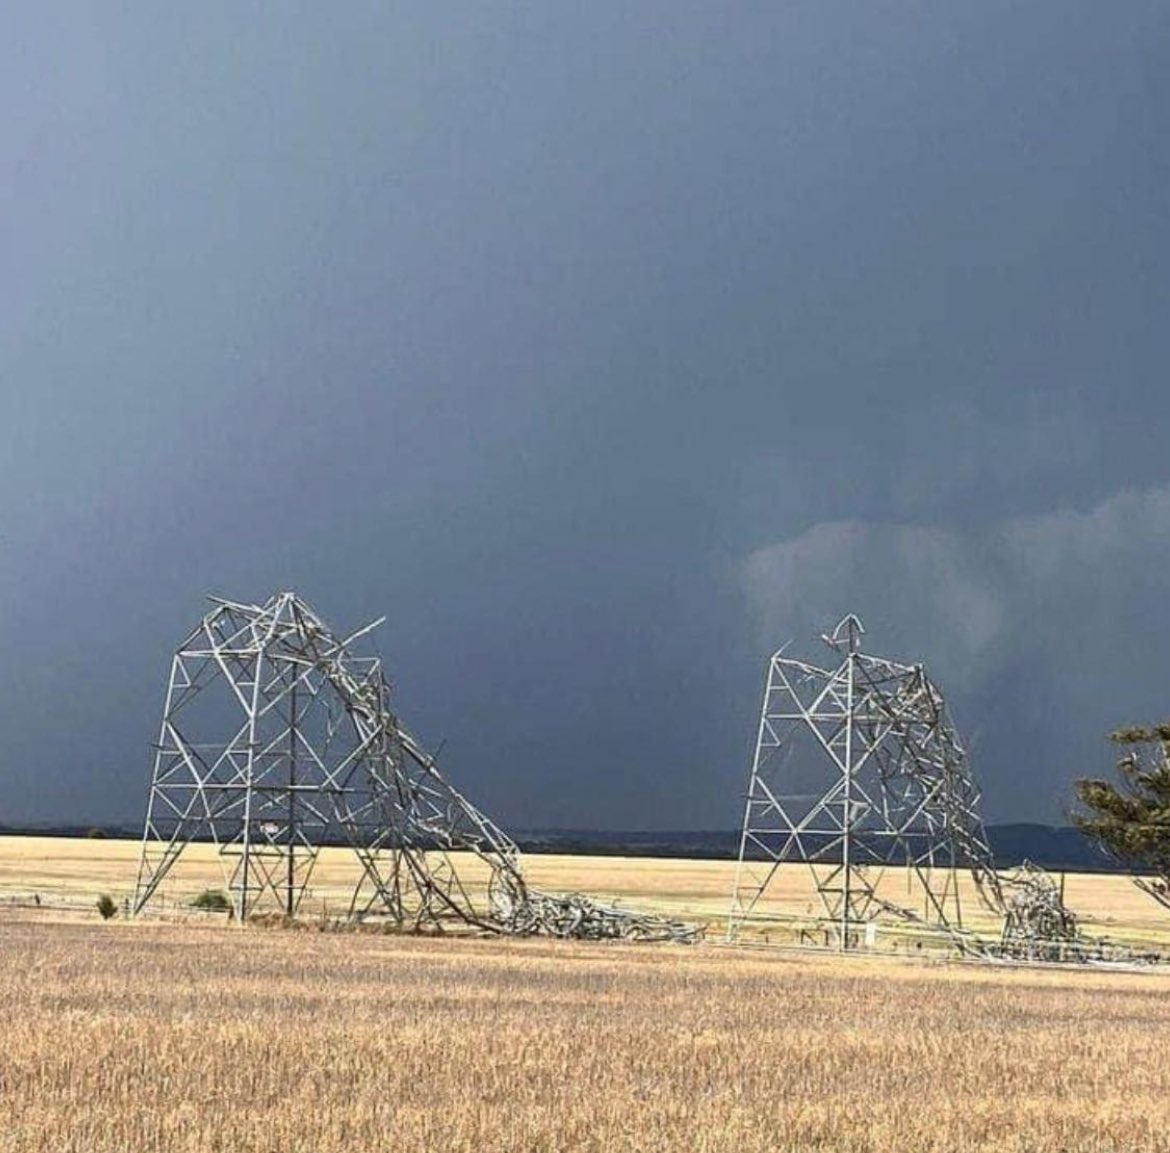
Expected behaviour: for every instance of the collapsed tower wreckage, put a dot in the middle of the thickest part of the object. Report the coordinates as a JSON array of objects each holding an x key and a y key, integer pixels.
[
  {"x": 1037, "y": 926},
  {"x": 277, "y": 737},
  {"x": 857, "y": 767}
]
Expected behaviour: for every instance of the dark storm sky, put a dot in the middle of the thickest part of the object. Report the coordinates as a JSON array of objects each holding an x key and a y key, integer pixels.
[{"x": 603, "y": 348}]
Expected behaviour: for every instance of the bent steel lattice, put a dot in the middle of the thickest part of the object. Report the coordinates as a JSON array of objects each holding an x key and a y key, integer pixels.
[
  {"x": 278, "y": 738},
  {"x": 857, "y": 768}
]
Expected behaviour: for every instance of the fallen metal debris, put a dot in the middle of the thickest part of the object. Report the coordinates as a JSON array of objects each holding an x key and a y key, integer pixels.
[
  {"x": 574, "y": 915},
  {"x": 1037, "y": 926}
]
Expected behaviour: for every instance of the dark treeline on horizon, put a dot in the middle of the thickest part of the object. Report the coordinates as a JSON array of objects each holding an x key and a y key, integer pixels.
[{"x": 1053, "y": 847}]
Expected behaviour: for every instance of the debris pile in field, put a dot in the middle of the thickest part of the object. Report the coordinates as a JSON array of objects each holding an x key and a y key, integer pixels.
[
  {"x": 1037, "y": 926},
  {"x": 578, "y": 916}
]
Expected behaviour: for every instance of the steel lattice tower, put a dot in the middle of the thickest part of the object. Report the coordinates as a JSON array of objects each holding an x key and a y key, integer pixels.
[
  {"x": 858, "y": 767},
  {"x": 276, "y": 738}
]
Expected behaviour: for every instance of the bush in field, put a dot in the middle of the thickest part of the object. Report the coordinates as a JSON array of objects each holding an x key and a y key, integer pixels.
[
  {"x": 213, "y": 900},
  {"x": 106, "y": 906}
]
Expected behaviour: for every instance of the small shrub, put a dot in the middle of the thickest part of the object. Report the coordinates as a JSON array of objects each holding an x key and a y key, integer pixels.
[
  {"x": 214, "y": 900},
  {"x": 106, "y": 906}
]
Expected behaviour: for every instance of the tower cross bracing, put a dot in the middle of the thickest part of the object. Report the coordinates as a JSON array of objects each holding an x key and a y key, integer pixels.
[
  {"x": 277, "y": 738},
  {"x": 857, "y": 768}
]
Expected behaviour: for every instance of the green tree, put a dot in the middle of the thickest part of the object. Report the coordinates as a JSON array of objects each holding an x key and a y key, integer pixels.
[
  {"x": 1129, "y": 817},
  {"x": 106, "y": 906}
]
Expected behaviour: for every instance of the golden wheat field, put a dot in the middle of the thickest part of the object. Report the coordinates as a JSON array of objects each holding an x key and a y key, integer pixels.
[
  {"x": 71, "y": 873},
  {"x": 191, "y": 1034},
  {"x": 160, "y": 1036}
]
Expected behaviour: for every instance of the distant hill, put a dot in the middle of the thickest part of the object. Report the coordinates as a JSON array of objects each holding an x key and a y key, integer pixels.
[
  {"x": 1052, "y": 847},
  {"x": 49, "y": 829}
]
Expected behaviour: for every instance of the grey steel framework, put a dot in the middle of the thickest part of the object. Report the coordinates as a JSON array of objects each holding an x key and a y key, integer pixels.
[
  {"x": 277, "y": 737},
  {"x": 1037, "y": 925},
  {"x": 857, "y": 767}
]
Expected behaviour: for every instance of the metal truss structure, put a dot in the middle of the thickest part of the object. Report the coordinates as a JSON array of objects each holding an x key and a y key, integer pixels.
[
  {"x": 858, "y": 768},
  {"x": 277, "y": 738},
  {"x": 1037, "y": 926}
]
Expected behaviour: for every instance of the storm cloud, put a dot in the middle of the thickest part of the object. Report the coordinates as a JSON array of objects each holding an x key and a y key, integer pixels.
[
  {"x": 1053, "y": 618},
  {"x": 601, "y": 348}
]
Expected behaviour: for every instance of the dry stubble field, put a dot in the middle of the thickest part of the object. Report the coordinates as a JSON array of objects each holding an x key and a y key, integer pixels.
[{"x": 202, "y": 1036}]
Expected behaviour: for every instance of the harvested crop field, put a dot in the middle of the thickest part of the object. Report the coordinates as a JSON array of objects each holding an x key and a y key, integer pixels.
[
  {"x": 197, "y": 1037},
  {"x": 69, "y": 874}
]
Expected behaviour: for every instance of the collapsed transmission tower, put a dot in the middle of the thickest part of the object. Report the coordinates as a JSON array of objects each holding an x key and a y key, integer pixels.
[
  {"x": 278, "y": 738},
  {"x": 857, "y": 768}
]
